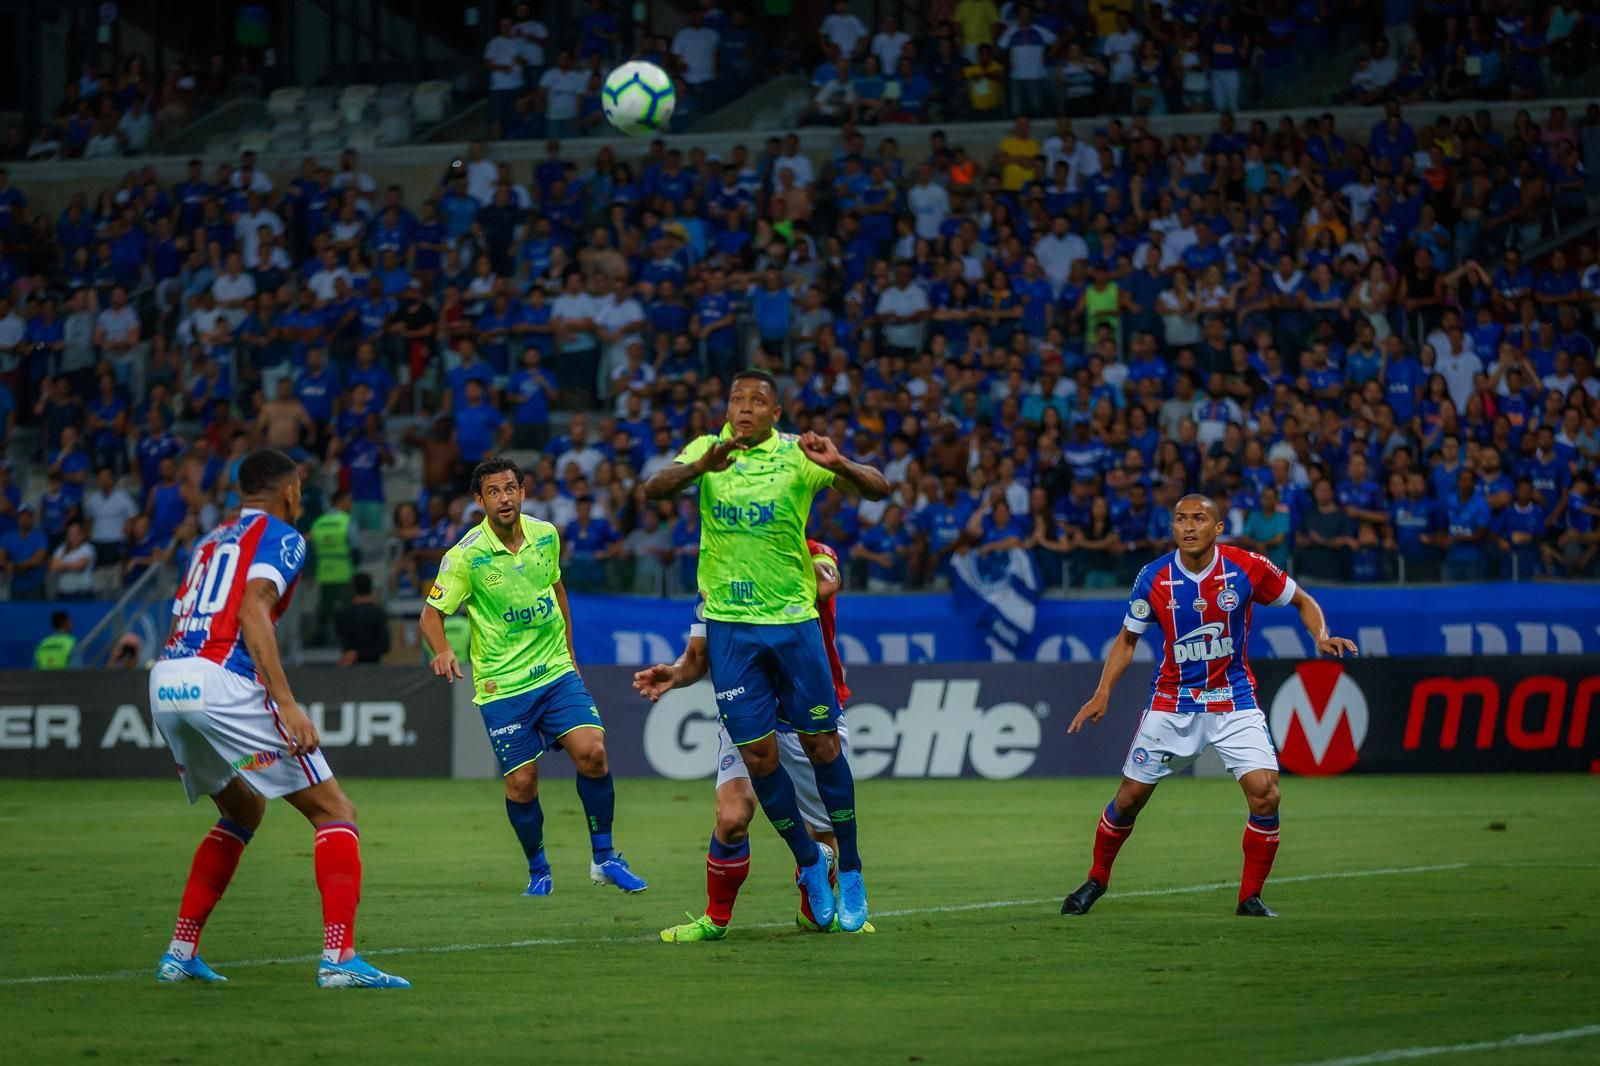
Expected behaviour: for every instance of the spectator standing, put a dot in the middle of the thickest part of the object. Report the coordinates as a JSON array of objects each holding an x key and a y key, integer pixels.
[
  {"x": 72, "y": 565},
  {"x": 24, "y": 556},
  {"x": 1025, "y": 45},
  {"x": 503, "y": 56},
  {"x": 362, "y": 625}
]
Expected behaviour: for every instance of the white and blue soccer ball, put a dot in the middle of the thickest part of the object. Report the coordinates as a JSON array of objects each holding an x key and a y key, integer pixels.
[{"x": 638, "y": 99}]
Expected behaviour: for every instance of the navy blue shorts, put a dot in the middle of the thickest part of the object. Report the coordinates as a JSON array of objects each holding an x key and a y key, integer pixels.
[
  {"x": 525, "y": 726},
  {"x": 766, "y": 672}
]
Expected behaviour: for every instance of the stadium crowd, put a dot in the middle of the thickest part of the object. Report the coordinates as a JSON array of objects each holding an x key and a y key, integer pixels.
[{"x": 1334, "y": 332}]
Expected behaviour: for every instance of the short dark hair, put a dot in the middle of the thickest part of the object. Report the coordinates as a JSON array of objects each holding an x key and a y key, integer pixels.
[
  {"x": 59, "y": 619},
  {"x": 753, "y": 374},
  {"x": 264, "y": 470},
  {"x": 361, "y": 584},
  {"x": 1200, "y": 497},
  {"x": 498, "y": 464}
]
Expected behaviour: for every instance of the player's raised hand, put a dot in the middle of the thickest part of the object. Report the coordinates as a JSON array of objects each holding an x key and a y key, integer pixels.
[
  {"x": 653, "y": 682},
  {"x": 303, "y": 739},
  {"x": 1336, "y": 646},
  {"x": 819, "y": 449},
  {"x": 720, "y": 456},
  {"x": 1089, "y": 714},
  {"x": 445, "y": 665}
]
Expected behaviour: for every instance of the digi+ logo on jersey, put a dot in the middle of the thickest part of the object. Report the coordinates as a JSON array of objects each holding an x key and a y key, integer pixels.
[
  {"x": 754, "y": 513},
  {"x": 541, "y": 611}
]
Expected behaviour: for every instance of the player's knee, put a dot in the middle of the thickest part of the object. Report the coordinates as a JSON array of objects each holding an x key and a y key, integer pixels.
[
  {"x": 760, "y": 763},
  {"x": 522, "y": 786},
  {"x": 733, "y": 824},
  {"x": 592, "y": 763},
  {"x": 822, "y": 748},
  {"x": 1265, "y": 801},
  {"x": 245, "y": 811}
]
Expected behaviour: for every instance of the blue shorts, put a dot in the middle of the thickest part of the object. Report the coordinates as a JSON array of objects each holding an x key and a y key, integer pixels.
[
  {"x": 525, "y": 726},
  {"x": 765, "y": 674}
]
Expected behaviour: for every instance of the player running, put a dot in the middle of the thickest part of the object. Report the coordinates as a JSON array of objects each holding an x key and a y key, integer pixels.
[
  {"x": 507, "y": 570},
  {"x": 763, "y": 642},
  {"x": 1203, "y": 694},
  {"x": 728, "y": 860},
  {"x": 220, "y": 698}
]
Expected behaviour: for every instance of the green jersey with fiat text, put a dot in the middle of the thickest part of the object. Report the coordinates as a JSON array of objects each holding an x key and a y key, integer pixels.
[
  {"x": 519, "y": 636},
  {"x": 754, "y": 562}
]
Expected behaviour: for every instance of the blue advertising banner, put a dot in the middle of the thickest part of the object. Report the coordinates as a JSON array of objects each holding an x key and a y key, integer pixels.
[{"x": 1493, "y": 618}]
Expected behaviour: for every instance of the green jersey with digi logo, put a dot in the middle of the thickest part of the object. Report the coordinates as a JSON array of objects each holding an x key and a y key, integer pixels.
[
  {"x": 519, "y": 637},
  {"x": 754, "y": 563}
]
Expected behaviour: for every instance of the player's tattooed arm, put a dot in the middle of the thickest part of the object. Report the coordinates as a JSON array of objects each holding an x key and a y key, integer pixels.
[
  {"x": 1317, "y": 625},
  {"x": 856, "y": 479},
  {"x": 261, "y": 640},
  {"x": 1117, "y": 660},
  {"x": 672, "y": 479}
]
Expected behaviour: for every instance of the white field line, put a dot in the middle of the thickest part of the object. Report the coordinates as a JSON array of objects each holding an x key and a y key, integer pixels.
[
  {"x": 451, "y": 949},
  {"x": 1520, "y": 1040}
]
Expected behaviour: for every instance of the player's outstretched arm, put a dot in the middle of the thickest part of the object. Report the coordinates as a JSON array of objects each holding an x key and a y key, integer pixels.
[
  {"x": 857, "y": 479},
  {"x": 672, "y": 479},
  {"x": 1312, "y": 618},
  {"x": 261, "y": 640},
  {"x": 1117, "y": 661},
  {"x": 431, "y": 626},
  {"x": 656, "y": 681}
]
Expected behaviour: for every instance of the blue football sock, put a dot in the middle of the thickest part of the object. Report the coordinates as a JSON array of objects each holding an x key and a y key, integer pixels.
[
  {"x": 837, "y": 787},
  {"x": 776, "y": 793},
  {"x": 1121, "y": 821},
  {"x": 528, "y": 821},
  {"x": 728, "y": 852},
  {"x": 599, "y": 798}
]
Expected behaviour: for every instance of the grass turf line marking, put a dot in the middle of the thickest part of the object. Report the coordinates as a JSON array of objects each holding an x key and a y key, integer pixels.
[
  {"x": 551, "y": 942},
  {"x": 1520, "y": 1040}
]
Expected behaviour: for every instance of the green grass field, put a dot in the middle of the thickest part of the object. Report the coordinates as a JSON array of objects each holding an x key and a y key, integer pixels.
[{"x": 1407, "y": 921}]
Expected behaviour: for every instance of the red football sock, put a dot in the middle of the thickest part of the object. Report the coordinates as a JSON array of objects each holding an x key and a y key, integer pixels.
[
  {"x": 727, "y": 865},
  {"x": 1108, "y": 840},
  {"x": 338, "y": 864},
  {"x": 214, "y": 862},
  {"x": 1260, "y": 846}
]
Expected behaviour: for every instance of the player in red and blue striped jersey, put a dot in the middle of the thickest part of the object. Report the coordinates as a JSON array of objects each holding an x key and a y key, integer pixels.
[
  {"x": 1203, "y": 694},
  {"x": 221, "y": 700}
]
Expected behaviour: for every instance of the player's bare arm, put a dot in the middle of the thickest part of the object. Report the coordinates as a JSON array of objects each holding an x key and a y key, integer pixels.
[
  {"x": 853, "y": 478},
  {"x": 566, "y": 617},
  {"x": 260, "y": 637},
  {"x": 672, "y": 480},
  {"x": 1116, "y": 664},
  {"x": 828, "y": 579},
  {"x": 431, "y": 626},
  {"x": 1312, "y": 618},
  {"x": 656, "y": 681}
]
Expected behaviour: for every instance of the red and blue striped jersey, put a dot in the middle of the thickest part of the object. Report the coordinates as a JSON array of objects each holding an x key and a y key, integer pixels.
[
  {"x": 256, "y": 546},
  {"x": 1205, "y": 626}
]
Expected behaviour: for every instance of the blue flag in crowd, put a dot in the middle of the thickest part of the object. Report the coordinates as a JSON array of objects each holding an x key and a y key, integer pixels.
[{"x": 998, "y": 593}]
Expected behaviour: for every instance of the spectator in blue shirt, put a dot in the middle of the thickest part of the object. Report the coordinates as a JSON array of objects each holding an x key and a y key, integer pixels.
[
  {"x": 1467, "y": 520},
  {"x": 884, "y": 549},
  {"x": 586, "y": 544},
  {"x": 531, "y": 392},
  {"x": 25, "y": 556},
  {"x": 481, "y": 429}
]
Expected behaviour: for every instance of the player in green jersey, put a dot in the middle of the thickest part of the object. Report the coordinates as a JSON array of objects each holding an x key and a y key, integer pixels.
[
  {"x": 507, "y": 571},
  {"x": 763, "y": 640}
]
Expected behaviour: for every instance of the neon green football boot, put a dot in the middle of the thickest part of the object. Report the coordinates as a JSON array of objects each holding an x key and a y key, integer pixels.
[{"x": 701, "y": 928}]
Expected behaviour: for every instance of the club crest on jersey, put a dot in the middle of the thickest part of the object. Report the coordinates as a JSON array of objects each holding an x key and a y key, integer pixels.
[
  {"x": 1140, "y": 756},
  {"x": 1228, "y": 599},
  {"x": 1202, "y": 644}
]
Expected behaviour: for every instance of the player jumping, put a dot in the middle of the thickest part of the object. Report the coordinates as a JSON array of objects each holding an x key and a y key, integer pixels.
[
  {"x": 507, "y": 571},
  {"x": 1203, "y": 694},
  {"x": 220, "y": 698},
  {"x": 763, "y": 641},
  {"x": 728, "y": 860}
]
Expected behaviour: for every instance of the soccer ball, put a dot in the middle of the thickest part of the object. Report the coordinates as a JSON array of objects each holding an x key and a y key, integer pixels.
[{"x": 638, "y": 99}]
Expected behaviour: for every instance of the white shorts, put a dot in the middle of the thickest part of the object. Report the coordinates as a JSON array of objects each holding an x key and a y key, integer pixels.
[
  {"x": 792, "y": 757},
  {"x": 1167, "y": 742},
  {"x": 221, "y": 726}
]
